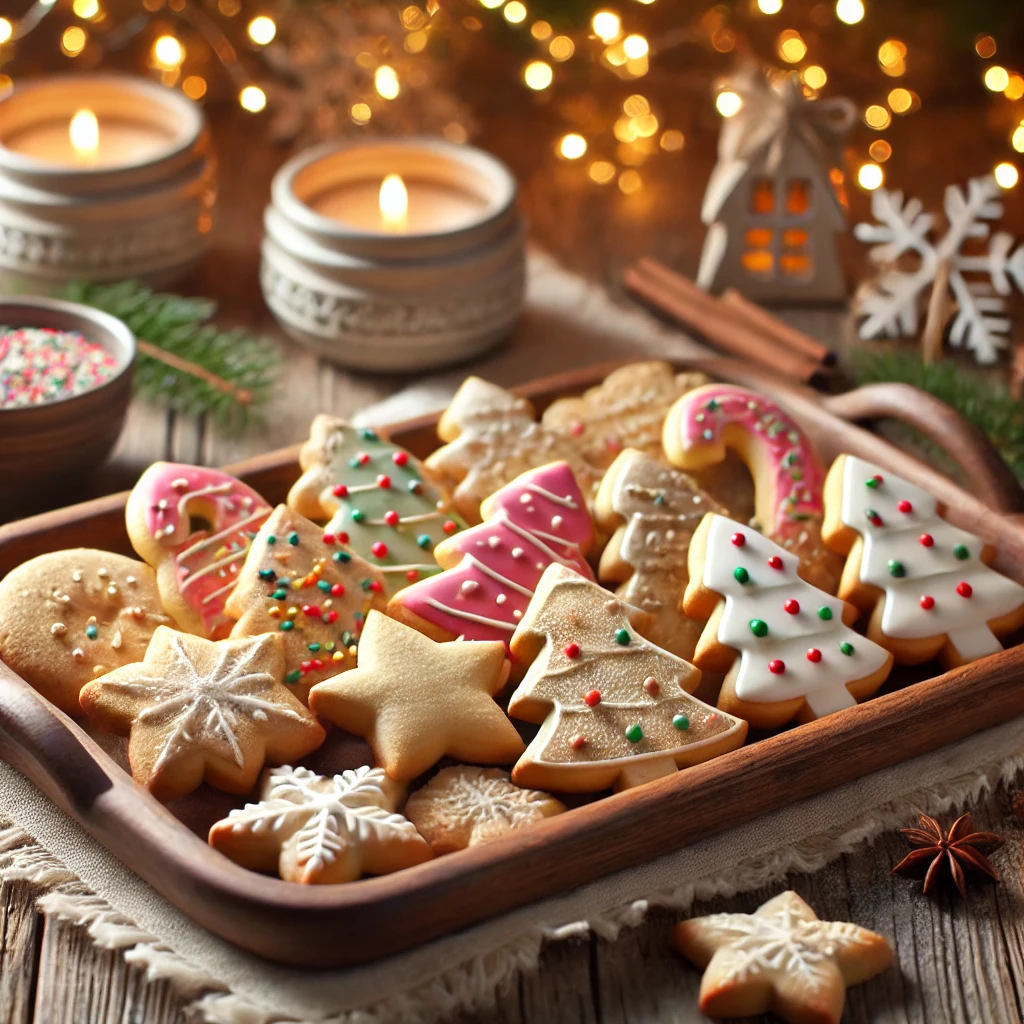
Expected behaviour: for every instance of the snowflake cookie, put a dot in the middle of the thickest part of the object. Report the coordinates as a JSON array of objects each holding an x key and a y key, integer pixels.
[
  {"x": 780, "y": 958},
  {"x": 197, "y": 709},
  {"x": 316, "y": 829},
  {"x": 463, "y": 806}
]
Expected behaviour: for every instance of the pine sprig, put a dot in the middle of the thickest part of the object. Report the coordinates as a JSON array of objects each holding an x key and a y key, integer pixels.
[
  {"x": 986, "y": 403},
  {"x": 181, "y": 327}
]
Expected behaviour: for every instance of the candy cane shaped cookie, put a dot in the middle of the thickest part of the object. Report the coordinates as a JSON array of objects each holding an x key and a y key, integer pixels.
[
  {"x": 194, "y": 526},
  {"x": 788, "y": 475}
]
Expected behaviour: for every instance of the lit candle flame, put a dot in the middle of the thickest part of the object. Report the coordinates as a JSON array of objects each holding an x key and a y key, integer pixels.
[
  {"x": 394, "y": 203},
  {"x": 84, "y": 132}
]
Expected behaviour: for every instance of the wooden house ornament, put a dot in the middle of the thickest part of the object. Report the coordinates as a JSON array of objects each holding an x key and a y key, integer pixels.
[{"x": 774, "y": 201}]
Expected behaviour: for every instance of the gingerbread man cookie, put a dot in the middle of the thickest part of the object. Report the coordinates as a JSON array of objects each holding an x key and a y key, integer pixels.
[
  {"x": 69, "y": 616},
  {"x": 194, "y": 527},
  {"x": 785, "y": 645},
  {"x": 924, "y": 582}
]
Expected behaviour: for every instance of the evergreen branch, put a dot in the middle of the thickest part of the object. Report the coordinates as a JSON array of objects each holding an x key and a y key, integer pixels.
[
  {"x": 187, "y": 363},
  {"x": 987, "y": 404}
]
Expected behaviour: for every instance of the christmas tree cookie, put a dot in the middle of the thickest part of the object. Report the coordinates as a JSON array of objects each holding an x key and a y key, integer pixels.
[
  {"x": 924, "y": 582},
  {"x": 379, "y": 502},
  {"x": 627, "y": 409},
  {"x": 653, "y": 510},
  {"x": 301, "y": 583},
  {"x": 493, "y": 437},
  {"x": 785, "y": 645},
  {"x": 613, "y": 709},
  {"x": 492, "y": 570}
]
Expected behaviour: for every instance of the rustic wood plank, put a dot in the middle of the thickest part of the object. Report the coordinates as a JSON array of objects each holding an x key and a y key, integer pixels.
[{"x": 20, "y": 931}]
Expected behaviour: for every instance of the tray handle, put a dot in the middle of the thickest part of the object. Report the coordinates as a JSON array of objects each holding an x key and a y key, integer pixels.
[{"x": 989, "y": 477}]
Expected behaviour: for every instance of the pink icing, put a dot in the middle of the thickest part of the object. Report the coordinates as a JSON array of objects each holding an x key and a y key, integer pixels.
[
  {"x": 797, "y": 474},
  {"x": 206, "y": 561},
  {"x": 539, "y": 518}
]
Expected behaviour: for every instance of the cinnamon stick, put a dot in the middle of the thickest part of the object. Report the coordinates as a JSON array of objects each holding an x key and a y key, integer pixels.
[
  {"x": 939, "y": 307},
  {"x": 758, "y": 316}
]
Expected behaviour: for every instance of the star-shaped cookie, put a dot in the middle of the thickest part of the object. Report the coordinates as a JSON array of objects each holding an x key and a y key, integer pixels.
[
  {"x": 415, "y": 700},
  {"x": 780, "y": 958},
  {"x": 197, "y": 709}
]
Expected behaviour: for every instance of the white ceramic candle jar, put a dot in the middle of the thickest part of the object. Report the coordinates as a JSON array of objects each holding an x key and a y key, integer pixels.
[
  {"x": 102, "y": 177},
  {"x": 394, "y": 255}
]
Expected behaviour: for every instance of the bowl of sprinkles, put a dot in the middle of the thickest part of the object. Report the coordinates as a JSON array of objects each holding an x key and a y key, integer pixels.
[{"x": 64, "y": 389}]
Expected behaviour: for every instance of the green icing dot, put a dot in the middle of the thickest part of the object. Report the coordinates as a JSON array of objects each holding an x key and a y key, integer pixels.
[
  {"x": 91, "y": 631},
  {"x": 681, "y": 722},
  {"x": 871, "y": 482},
  {"x": 367, "y": 435},
  {"x": 758, "y": 627},
  {"x": 324, "y": 586},
  {"x": 358, "y": 515},
  {"x": 846, "y": 648},
  {"x": 712, "y": 404},
  {"x": 423, "y": 540},
  {"x": 634, "y": 733},
  {"x": 353, "y": 463},
  {"x": 293, "y": 539},
  {"x": 266, "y": 574},
  {"x": 293, "y": 677},
  {"x": 659, "y": 499},
  {"x": 824, "y": 613},
  {"x": 896, "y": 568},
  {"x": 741, "y": 575},
  {"x": 329, "y": 646},
  {"x": 341, "y": 556},
  {"x": 414, "y": 486},
  {"x": 287, "y": 625},
  {"x": 622, "y": 636},
  {"x": 960, "y": 552},
  {"x": 314, "y": 647},
  {"x": 271, "y": 539},
  {"x": 279, "y": 595},
  {"x": 347, "y": 638}
]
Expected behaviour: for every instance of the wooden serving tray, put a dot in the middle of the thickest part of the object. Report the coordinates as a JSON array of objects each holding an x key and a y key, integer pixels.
[{"x": 335, "y": 925}]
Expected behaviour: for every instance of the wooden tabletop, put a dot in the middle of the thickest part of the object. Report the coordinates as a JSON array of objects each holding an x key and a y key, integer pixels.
[{"x": 957, "y": 960}]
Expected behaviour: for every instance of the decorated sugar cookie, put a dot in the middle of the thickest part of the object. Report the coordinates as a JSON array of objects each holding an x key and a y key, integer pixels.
[
  {"x": 788, "y": 475},
  {"x": 197, "y": 710},
  {"x": 653, "y": 510},
  {"x": 491, "y": 570},
  {"x": 493, "y": 437},
  {"x": 69, "y": 616},
  {"x": 300, "y": 582},
  {"x": 194, "y": 527},
  {"x": 379, "y": 502},
  {"x": 318, "y": 830},
  {"x": 464, "y": 806},
  {"x": 924, "y": 582},
  {"x": 780, "y": 958},
  {"x": 613, "y": 709},
  {"x": 416, "y": 701},
  {"x": 626, "y": 410},
  {"x": 785, "y": 645}
]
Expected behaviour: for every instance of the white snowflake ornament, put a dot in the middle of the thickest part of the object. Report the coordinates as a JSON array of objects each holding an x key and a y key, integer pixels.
[
  {"x": 780, "y": 958},
  {"x": 892, "y": 304},
  {"x": 316, "y": 829}
]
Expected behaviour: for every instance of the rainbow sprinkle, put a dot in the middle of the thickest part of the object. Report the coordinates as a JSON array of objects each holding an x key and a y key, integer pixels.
[{"x": 40, "y": 365}]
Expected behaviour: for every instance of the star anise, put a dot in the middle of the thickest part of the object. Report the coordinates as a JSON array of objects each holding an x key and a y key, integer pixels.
[{"x": 951, "y": 852}]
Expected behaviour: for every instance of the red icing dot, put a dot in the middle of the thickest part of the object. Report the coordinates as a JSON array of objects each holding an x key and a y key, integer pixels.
[
  {"x": 927, "y": 602},
  {"x": 362, "y": 458},
  {"x": 412, "y": 575},
  {"x": 384, "y": 481},
  {"x": 340, "y": 491},
  {"x": 792, "y": 606},
  {"x": 578, "y": 742},
  {"x": 450, "y": 526},
  {"x": 317, "y": 663},
  {"x": 376, "y": 586},
  {"x": 592, "y": 698},
  {"x": 391, "y": 517},
  {"x": 926, "y": 540},
  {"x": 341, "y": 538},
  {"x": 400, "y": 458},
  {"x": 305, "y": 666},
  {"x": 378, "y": 549},
  {"x": 814, "y": 655},
  {"x": 738, "y": 539},
  {"x": 331, "y": 616},
  {"x": 964, "y": 589},
  {"x": 328, "y": 538},
  {"x": 711, "y": 718},
  {"x": 310, "y": 609},
  {"x": 904, "y": 506},
  {"x": 874, "y": 519},
  {"x": 337, "y": 589},
  {"x": 775, "y": 562},
  {"x": 571, "y": 650},
  {"x": 877, "y": 478},
  {"x": 776, "y": 666},
  {"x": 576, "y": 428}
]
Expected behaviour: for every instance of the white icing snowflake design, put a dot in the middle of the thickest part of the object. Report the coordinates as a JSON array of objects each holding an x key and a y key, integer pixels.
[{"x": 490, "y": 797}]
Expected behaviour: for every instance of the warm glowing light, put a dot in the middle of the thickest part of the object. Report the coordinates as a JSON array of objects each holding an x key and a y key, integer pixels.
[
  {"x": 262, "y": 30},
  {"x": 561, "y": 48},
  {"x": 624, "y": 129},
  {"x": 413, "y": 18},
  {"x": 86, "y": 8},
  {"x": 792, "y": 48},
  {"x": 814, "y": 76},
  {"x": 638, "y": 66},
  {"x": 673, "y": 140},
  {"x": 630, "y": 182},
  {"x": 724, "y": 40},
  {"x": 636, "y": 105},
  {"x": 880, "y": 150},
  {"x": 538, "y": 74},
  {"x": 415, "y": 42},
  {"x": 891, "y": 52},
  {"x": 385, "y": 81},
  {"x": 194, "y": 87},
  {"x": 6, "y": 84},
  {"x": 360, "y": 113},
  {"x": 1006, "y": 175},
  {"x": 635, "y": 47},
  {"x": 1014, "y": 88},
  {"x": 606, "y": 25},
  {"x": 900, "y": 100},
  {"x": 601, "y": 171},
  {"x": 769, "y": 6},
  {"x": 229, "y": 8},
  {"x": 985, "y": 46},
  {"x": 394, "y": 203},
  {"x": 84, "y": 133},
  {"x": 1017, "y": 138},
  {"x": 646, "y": 125},
  {"x": 491, "y": 4},
  {"x": 514, "y": 12},
  {"x": 870, "y": 177},
  {"x": 850, "y": 12},
  {"x": 997, "y": 78},
  {"x": 615, "y": 55},
  {"x": 73, "y": 41},
  {"x": 541, "y": 30},
  {"x": 252, "y": 98},
  {"x": 728, "y": 103},
  {"x": 6, "y": 30},
  {"x": 572, "y": 146},
  {"x": 168, "y": 52},
  {"x": 877, "y": 117}
]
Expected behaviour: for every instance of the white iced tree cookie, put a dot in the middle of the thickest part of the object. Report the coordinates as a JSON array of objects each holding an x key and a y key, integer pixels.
[
  {"x": 786, "y": 646},
  {"x": 924, "y": 582}
]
